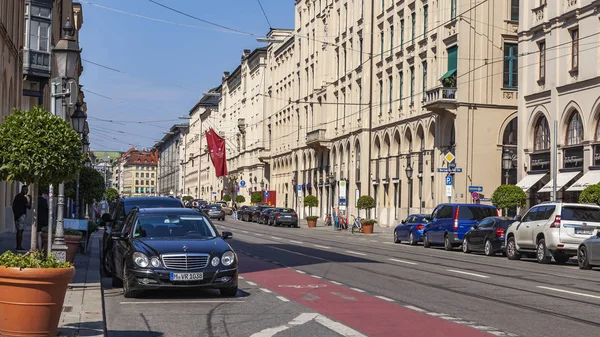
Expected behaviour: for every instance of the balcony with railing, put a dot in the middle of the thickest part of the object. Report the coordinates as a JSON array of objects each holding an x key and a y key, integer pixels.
[
  {"x": 36, "y": 63},
  {"x": 440, "y": 97},
  {"x": 317, "y": 138}
]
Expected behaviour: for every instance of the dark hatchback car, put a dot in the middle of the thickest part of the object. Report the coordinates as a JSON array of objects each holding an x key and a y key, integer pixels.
[
  {"x": 173, "y": 248},
  {"x": 215, "y": 211},
  {"x": 488, "y": 236},
  {"x": 283, "y": 217},
  {"x": 256, "y": 215},
  {"x": 263, "y": 217},
  {"x": 114, "y": 221},
  {"x": 248, "y": 213}
]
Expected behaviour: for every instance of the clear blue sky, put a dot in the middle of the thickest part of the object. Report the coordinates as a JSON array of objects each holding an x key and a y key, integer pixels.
[{"x": 164, "y": 68}]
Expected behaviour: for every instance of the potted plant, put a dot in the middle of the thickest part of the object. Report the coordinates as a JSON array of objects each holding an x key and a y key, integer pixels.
[
  {"x": 367, "y": 203},
  {"x": 311, "y": 201},
  {"x": 256, "y": 198},
  {"x": 38, "y": 148},
  {"x": 507, "y": 197},
  {"x": 72, "y": 240},
  {"x": 239, "y": 199},
  {"x": 226, "y": 198}
]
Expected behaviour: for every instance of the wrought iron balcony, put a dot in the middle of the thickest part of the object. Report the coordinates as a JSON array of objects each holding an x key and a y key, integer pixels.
[
  {"x": 317, "y": 138},
  {"x": 441, "y": 97}
]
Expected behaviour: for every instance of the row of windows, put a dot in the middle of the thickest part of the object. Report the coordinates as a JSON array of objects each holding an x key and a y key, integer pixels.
[
  {"x": 141, "y": 182},
  {"x": 574, "y": 135},
  {"x": 574, "y": 34},
  {"x": 144, "y": 168},
  {"x": 148, "y": 175},
  {"x": 144, "y": 190}
]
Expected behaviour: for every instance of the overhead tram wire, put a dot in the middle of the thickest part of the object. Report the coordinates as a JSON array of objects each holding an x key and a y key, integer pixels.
[{"x": 265, "y": 14}]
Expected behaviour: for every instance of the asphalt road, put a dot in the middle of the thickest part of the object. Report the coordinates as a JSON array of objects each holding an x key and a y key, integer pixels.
[{"x": 316, "y": 282}]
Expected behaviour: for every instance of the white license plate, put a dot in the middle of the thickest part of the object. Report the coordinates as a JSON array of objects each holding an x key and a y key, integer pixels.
[
  {"x": 584, "y": 231},
  {"x": 187, "y": 276}
]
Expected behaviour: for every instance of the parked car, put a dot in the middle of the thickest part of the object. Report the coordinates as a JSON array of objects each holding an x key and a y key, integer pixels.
[
  {"x": 173, "y": 248},
  {"x": 263, "y": 217},
  {"x": 552, "y": 229},
  {"x": 283, "y": 217},
  {"x": 114, "y": 221},
  {"x": 450, "y": 222},
  {"x": 588, "y": 253},
  {"x": 256, "y": 214},
  {"x": 249, "y": 213},
  {"x": 215, "y": 211},
  {"x": 411, "y": 229},
  {"x": 228, "y": 210},
  {"x": 241, "y": 211},
  {"x": 488, "y": 236}
]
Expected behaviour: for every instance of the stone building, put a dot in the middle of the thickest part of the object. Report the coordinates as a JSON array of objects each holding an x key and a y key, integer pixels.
[{"x": 169, "y": 170}]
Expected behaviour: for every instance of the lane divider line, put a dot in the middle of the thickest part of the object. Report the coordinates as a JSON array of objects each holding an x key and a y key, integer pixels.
[
  {"x": 324, "y": 247},
  {"x": 316, "y": 276},
  {"x": 403, "y": 261},
  {"x": 258, "y": 234},
  {"x": 414, "y": 308},
  {"x": 266, "y": 290},
  {"x": 275, "y": 237},
  {"x": 356, "y": 253},
  {"x": 569, "y": 292},
  {"x": 336, "y": 283},
  {"x": 359, "y": 290},
  {"x": 385, "y": 298},
  {"x": 467, "y": 273},
  {"x": 282, "y": 298},
  {"x": 296, "y": 242},
  {"x": 251, "y": 283},
  {"x": 300, "y": 271}
]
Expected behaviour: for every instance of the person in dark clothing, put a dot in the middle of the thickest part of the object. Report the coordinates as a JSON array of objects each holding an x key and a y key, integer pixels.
[{"x": 20, "y": 205}]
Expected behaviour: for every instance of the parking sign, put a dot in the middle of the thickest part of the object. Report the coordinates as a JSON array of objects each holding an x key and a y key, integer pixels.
[{"x": 448, "y": 180}]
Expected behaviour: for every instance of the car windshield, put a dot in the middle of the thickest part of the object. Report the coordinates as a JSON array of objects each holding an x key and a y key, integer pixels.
[
  {"x": 161, "y": 203},
  {"x": 475, "y": 213},
  {"x": 287, "y": 210},
  {"x": 590, "y": 214},
  {"x": 173, "y": 226}
]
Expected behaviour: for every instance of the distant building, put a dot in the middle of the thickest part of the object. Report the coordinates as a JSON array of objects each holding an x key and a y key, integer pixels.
[
  {"x": 104, "y": 162},
  {"x": 169, "y": 172},
  {"x": 135, "y": 173}
]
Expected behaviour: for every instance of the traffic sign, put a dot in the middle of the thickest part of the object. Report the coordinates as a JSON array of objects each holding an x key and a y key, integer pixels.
[
  {"x": 449, "y": 157},
  {"x": 450, "y": 170},
  {"x": 448, "y": 180},
  {"x": 475, "y": 195},
  {"x": 267, "y": 194},
  {"x": 475, "y": 188},
  {"x": 242, "y": 183},
  {"x": 448, "y": 190}
]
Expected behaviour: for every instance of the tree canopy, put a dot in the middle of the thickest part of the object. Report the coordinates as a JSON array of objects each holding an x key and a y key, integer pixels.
[
  {"x": 591, "y": 195},
  {"x": 509, "y": 196},
  {"x": 256, "y": 198},
  {"x": 112, "y": 195},
  {"x": 91, "y": 185}
]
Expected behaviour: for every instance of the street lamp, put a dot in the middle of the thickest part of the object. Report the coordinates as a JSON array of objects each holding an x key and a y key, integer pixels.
[
  {"x": 506, "y": 164},
  {"x": 409, "y": 175},
  {"x": 86, "y": 144},
  {"x": 331, "y": 179},
  {"x": 66, "y": 53},
  {"x": 409, "y": 172},
  {"x": 78, "y": 119}
]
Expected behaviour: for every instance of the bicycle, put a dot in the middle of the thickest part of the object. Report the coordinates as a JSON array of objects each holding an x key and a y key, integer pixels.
[{"x": 356, "y": 224}]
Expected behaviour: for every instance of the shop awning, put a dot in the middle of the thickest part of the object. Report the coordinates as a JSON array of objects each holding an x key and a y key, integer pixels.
[
  {"x": 590, "y": 178},
  {"x": 562, "y": 179},
  {"x": 449, "y": 73},
  {"x": 530, "y": 180}
]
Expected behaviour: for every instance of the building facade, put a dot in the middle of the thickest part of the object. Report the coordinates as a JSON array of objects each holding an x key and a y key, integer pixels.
[
  {"x": 105, "y": 162},
  {"x": 169, "y": 170},
  {"x": 555, "y": 38},
  {"x": 137, "y": 173}
]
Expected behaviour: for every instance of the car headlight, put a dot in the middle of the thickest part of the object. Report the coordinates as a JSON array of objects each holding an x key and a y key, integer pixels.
[
  {"x": 228, "y": 258},
  {"x": 141, "y": 259},
  {"x": 215, "y": 261},
  {"x": 155, "y": 262}
]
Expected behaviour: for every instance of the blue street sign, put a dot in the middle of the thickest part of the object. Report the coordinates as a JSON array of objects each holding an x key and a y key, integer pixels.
[
  {"x": 266, "y": 194},
  {"x": 242, "y": 183},
  {"x": 342, "y": 201},
  {"x": 299, "y": 187},
  {"x": 475, "y": 189},
  {"x": 448, "y": 180},
  {"x": 449, "y": 170}
]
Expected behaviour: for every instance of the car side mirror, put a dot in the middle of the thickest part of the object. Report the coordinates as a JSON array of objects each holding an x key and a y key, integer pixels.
[
  {"x": 226, "y": 235},
  {"x": 518, "y": 218},
  {"x": 403, "y": 222}
]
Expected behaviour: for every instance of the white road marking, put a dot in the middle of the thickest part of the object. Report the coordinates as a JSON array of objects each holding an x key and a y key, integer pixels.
[
  {"x": 282, "y": 298},
  {"x": 356, "y": 253},
  {"x": 337, "y": 327},
  {"x": 296, "y": 242},
  {"x": 389, "y": 243},
  {"x": 241, "y": 277},
  {"x": 385, "y": 298},
  {"x": 359, "y": 290},
  {"x": 414, "y": 308},
  {"x": 467, "y": 273},
  {"x": 258, "y": 234},
  {"x": 335, "y": 282},
  {"x": 275, "y": 237},
  {"x": 436, "y": 314},
  {"x": 316, "y": 276},
  {"x": 300, "y": 271},
  {"x": 266, "y": 290},
  {"x": 182, "y": 302},
  {"x": 402, "y": 261},
  {"x": 569, "y": 292},
  {"x": 251, "y": 283},
  {"x": 243, "y": 231},
  {"x": 324, "y": 247}
]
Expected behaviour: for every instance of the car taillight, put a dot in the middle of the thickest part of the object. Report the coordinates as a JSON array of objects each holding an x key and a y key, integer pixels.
[
  {"x": 420, "y": 227},
  {"x": 456, "y": 218},
  {"x": 556, "y": 223},
  {"x": 499, "y": 232},
  {"x": 295, "y": 215},
  {"x": 278, "y": 214}
]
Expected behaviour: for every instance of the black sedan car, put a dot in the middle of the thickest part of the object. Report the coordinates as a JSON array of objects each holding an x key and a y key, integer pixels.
[
  {"x": 488, "y": 236},
  {"x": 173, "y": 248},
  {"x": 114, "y": 221},
  {"x": 283, "y": 217}
]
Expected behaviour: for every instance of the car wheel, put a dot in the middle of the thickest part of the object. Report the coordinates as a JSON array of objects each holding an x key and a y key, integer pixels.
[
  {"x": 465, "y": 246},
  {"x": 447, "y": 244},
  {"x": 489, "y": 249},
  {"x": 107, "y": 265},
  {"x": 411, "y": 239},
  {"x": 396, "y": 237},
  {"x": 511, "y": 249},
  {"x": 127, "y": 291},
  {"x": 426, "y": 243},
  {"x": 229, "y": 292},
  {"x": 541, "y": 253},
  {"x": 582, "y": 258},
  {"x": 561, "y": 258}
]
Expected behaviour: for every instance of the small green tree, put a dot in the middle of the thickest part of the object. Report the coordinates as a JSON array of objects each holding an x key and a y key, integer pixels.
[
  {"x": 591, "y": 195},
  {"x": 240, "y": 199},
  {"x": 38, "y": 148},
  {"x": 256, "y": 198},
  {"x": 112, "y": 195},
  {"x": 91, "y": 186},
  {"x": 366, "y": 202},
  {"x": 226, "y": 198},
  {"x": 311, "y": 201},
  {"x": 508, "y": 196}
]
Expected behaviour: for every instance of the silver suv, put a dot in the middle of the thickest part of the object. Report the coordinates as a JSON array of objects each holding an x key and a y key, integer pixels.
[{"x": 552, "y": 229}]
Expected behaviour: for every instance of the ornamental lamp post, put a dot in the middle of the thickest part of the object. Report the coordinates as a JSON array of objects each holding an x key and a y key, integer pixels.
[
  {"x": 506, "y": 164},
  {"x": 409, "y": 175},
  {"x": 67, "y": 53},
  {"x": 78, "y": 119},
  {"x": 86, "y": 144}
]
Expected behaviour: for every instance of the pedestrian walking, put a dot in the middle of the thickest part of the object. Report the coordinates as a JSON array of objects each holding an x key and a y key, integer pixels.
[
  {"x": 20, "y": 205},
  {"x": 336, "y": 220},
  {"x": 235, "y": 210}
]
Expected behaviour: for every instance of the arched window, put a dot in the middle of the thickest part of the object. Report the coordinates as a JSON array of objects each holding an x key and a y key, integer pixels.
[
  {"x": 574, "y": 129},
  {"x": 598, "y": 131},
  {"x": 541, "y": 135},
  {"x": 357, "y": 161}
]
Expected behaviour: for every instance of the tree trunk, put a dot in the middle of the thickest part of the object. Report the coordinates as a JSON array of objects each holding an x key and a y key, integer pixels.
[{"x": 34, "y": 211}]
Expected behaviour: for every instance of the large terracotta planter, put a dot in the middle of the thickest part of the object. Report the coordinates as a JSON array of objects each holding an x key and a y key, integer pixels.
[
  {"x": 72, "y": 241},
  {"x": 312, "y": 223},
  {"x": 367, "y": 229},
  {"x": 31, "y": 300}
]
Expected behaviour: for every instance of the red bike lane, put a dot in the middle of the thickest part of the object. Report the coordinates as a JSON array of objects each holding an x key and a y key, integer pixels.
[{"x": 367, "y": 314}]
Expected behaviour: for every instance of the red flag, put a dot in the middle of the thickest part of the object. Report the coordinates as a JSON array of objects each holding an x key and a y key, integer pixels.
[{"x": 216, "y": 148}]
